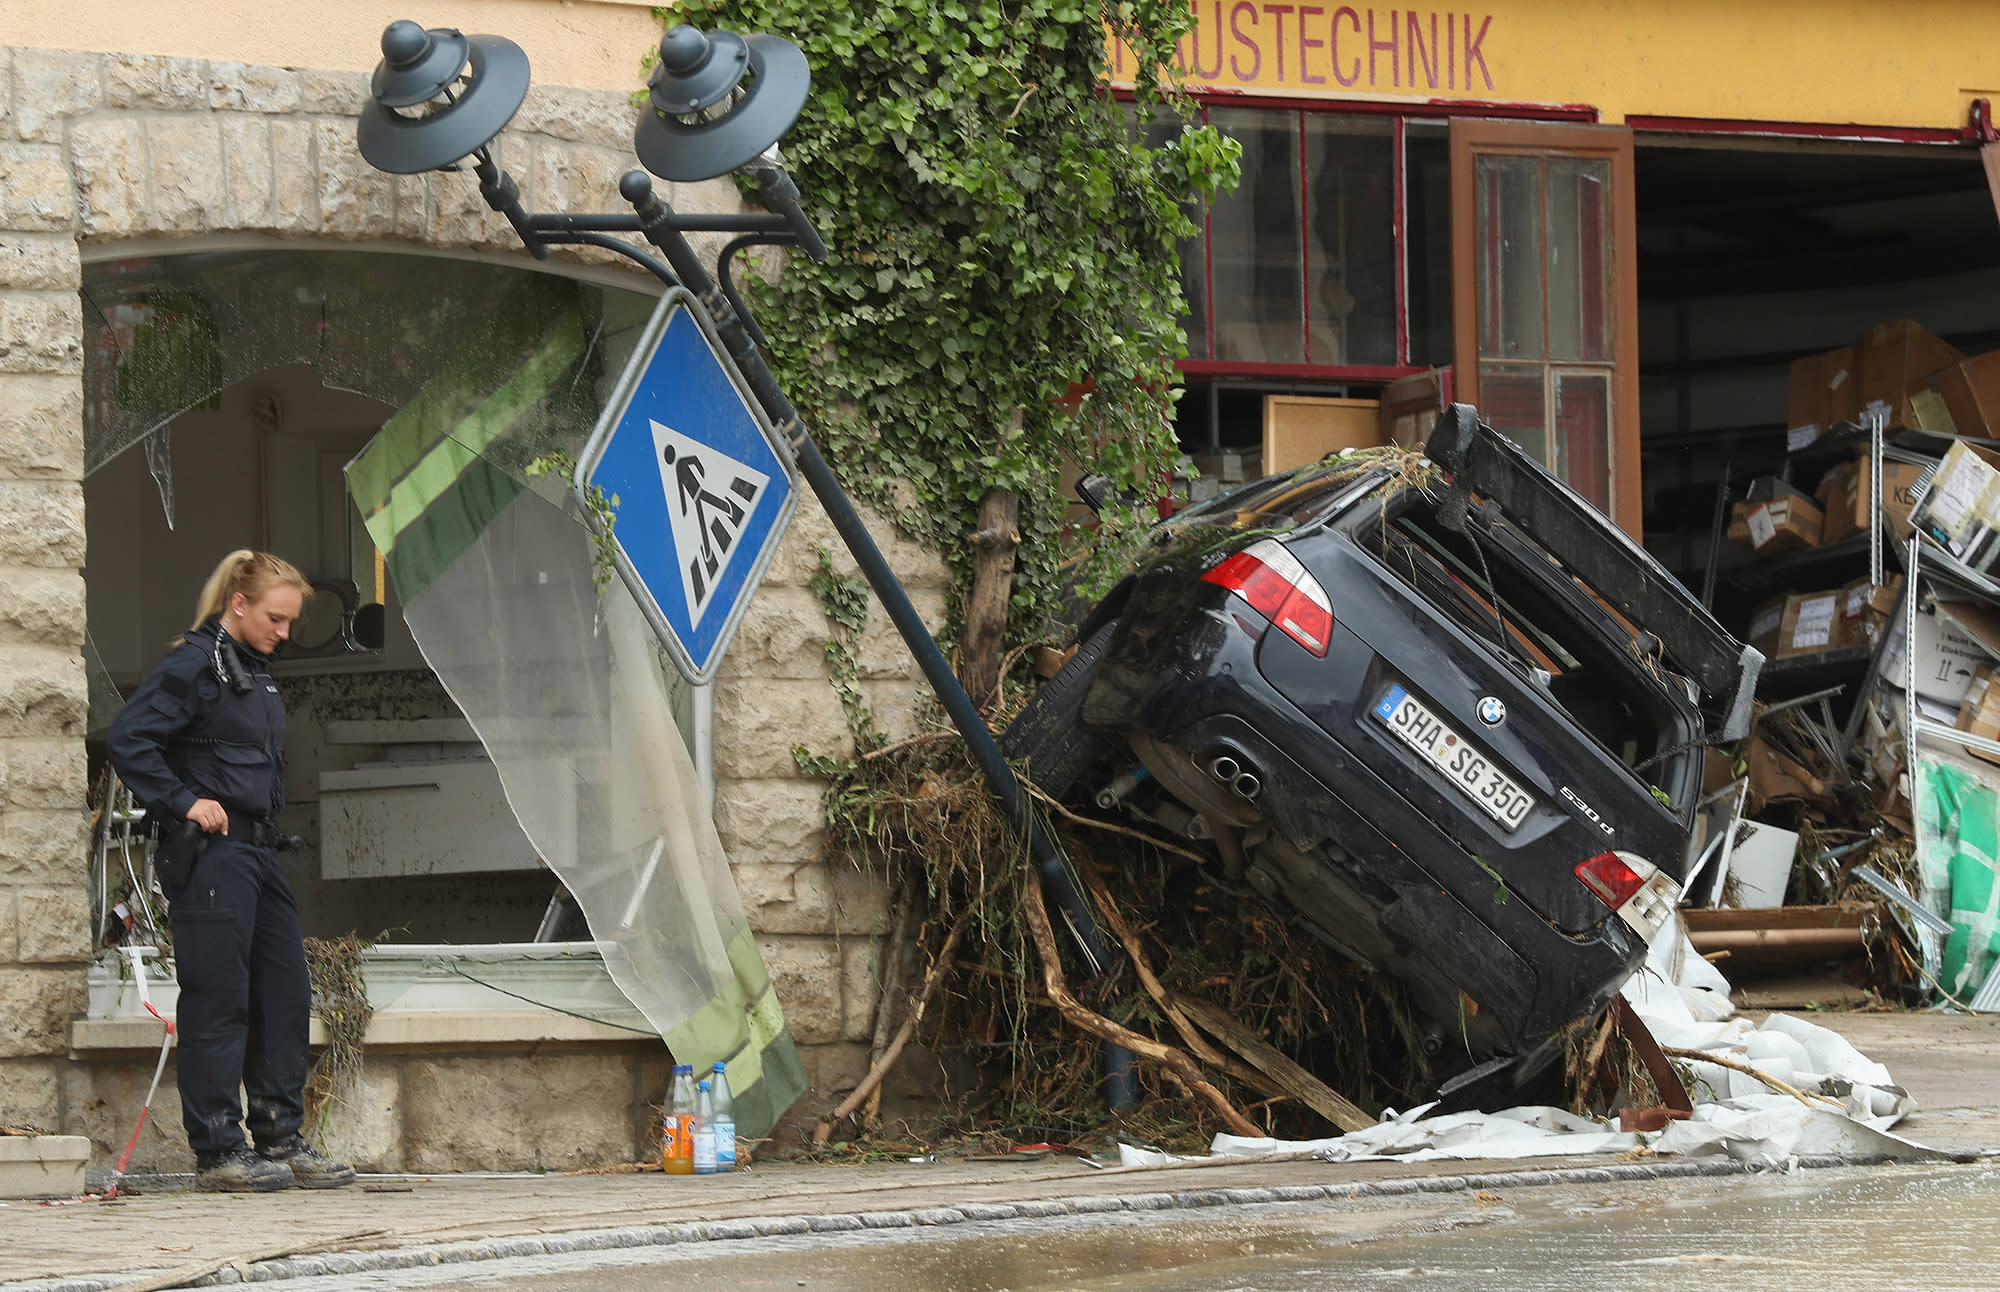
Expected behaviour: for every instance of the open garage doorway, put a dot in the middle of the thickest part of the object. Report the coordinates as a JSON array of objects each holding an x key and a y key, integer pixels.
[{"x": 1755, "y": 252}]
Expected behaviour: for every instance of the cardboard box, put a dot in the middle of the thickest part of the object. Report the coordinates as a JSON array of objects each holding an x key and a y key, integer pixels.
[
  {"x": 1844, "y": 498},
  {"x": 1716, "y": 772},
  {"x": 1779, "y": 525},
  {"x": 1764, "y": 625},
  {"x": 1895, "y": 359},
  {"x": 1230, "y": 467},
  {"x": 1970, "y": 394},
  {"x": 1979, "y": 711},
  {"x": 1806, "y": 623},
  {"x": 1879, "y": 605},
  {"x": 1811, "y": 623},
  {"x": 1954, "y": 640},
  {"x": 1850, "y": 624},
  {"x": 1775, "y": 776},
  {"x": 1302, "y": 429},
  {"x": 1882, "y": 740},
  {"x": 1823, "y": 394},
  {"x": 1961, "y": 508}
]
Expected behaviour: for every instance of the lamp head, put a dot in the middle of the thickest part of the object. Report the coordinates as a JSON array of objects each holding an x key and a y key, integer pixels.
[
  {"x": 438, "y": 96},
  {"x": 718, "y": 100}
]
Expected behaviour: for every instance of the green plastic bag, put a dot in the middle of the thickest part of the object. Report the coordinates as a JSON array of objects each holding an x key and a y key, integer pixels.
[{"x": 1956, "y": 851}]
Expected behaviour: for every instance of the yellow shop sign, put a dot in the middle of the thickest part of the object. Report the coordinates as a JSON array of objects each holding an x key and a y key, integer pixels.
[
  {"x": 1912, "y": 63},
  {"x": 1267, "y": 46}
]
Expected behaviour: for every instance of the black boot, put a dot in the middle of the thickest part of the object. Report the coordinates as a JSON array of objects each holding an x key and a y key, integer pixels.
[
  {"x": 239, "y": 1170},
  {"x": 310, "y": 1168}
]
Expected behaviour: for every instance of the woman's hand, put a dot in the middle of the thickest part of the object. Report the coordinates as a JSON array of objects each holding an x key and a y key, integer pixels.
[{"x": 209, "y": 815}]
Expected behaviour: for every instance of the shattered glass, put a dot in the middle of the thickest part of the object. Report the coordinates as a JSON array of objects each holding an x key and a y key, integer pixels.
[
  {"x": 105, "y": 698},
  {"x": 160, "y": 464},
  {"x": 169, "y": 334}
]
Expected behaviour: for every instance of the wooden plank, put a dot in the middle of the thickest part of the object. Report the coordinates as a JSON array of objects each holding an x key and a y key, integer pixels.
[
  {"x": 1301, "y": 429},
  {"x": 1409, "y": 408},
  {"x": 1732, "y": 919},
  {"x": 1263, "y": 1056},
  {"x": 1807, "y": 942}
]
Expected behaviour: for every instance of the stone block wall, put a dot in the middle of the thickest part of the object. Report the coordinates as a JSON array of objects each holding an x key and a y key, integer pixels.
[
  {"x": 44, "y": 930},
  {"x": 822, "y": 923},
  {"x": 108, "y": 148},
  {"x": 549, "y": 1106}
]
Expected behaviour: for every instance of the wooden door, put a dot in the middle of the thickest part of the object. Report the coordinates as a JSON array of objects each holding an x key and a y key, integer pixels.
[
  {"x": 1410, "y": 407},
  {"x": 1545, "y": 308}
]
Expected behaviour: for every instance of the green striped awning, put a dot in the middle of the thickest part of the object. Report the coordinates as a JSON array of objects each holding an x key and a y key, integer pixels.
[{"x": 423, "y": 485}]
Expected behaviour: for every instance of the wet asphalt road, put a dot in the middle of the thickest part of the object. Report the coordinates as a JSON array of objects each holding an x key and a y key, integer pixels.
[{"x": 1929, "y": 1227}]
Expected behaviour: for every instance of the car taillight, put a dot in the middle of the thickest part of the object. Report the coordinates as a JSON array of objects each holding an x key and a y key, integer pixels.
[
  {"x": 1279, "y": 588},
  {"x": 1608, "y": 876}
]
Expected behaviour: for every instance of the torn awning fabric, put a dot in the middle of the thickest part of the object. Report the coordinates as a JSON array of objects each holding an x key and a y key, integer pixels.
[{"x": 566, "y": 685}]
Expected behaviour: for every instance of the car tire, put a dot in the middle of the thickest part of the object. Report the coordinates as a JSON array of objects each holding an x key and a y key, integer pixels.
[{"x": 1049, "y": 735}]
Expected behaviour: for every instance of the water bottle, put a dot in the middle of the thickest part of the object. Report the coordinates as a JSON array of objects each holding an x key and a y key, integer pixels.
[
  {"x": 677, "y": 1131},
  {"x": 725, "y": 1121},
  {"x": 704, "y": 1131}
]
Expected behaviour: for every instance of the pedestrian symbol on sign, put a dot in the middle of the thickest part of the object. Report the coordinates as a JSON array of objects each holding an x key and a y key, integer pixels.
[
  {"x": 712, "y": 495},
  {"x": 704, "y": 485}
]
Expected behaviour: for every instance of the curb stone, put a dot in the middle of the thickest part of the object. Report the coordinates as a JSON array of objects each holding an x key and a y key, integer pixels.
[{"x": 364, "y": 1262}]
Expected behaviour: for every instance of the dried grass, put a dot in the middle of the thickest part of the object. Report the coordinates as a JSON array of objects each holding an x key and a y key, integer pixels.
[
  {"x": 340, "y": 999},
  {"x": 920, "y": 813}
]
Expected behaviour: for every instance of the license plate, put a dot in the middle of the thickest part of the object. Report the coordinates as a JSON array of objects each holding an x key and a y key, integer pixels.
[{"x": 1455, "y": 757}]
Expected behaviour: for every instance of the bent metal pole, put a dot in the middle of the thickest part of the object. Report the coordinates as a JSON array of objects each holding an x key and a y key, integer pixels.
[{"x": 656, "y": 221}]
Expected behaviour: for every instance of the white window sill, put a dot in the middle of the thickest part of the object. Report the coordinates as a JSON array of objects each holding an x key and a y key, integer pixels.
[{"x": 422, "y": 998}]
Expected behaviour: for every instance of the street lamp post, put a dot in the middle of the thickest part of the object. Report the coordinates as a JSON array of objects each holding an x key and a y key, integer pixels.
[{"x": 719, "y": 102}]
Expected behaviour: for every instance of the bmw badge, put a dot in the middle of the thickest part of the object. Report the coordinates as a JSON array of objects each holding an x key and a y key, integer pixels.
[{"x": 1492, "y": 712}]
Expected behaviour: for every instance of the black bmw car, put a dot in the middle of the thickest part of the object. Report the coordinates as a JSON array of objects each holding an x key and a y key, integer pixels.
[{"x": 1443, "y": 711}]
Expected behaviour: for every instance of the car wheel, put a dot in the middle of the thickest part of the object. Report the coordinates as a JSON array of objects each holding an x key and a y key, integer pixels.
[{"x": 1049, "y": 735}]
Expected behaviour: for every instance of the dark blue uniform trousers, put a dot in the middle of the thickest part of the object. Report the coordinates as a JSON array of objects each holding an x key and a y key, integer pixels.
[{"x": 246, "y": 1001}]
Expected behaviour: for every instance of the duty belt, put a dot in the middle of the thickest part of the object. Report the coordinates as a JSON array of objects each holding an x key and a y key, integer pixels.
[{"x": 261, "y": 834}]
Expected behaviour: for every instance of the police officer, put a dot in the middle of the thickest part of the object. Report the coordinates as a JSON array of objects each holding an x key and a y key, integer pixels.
[{"x": 202, "y": 740}]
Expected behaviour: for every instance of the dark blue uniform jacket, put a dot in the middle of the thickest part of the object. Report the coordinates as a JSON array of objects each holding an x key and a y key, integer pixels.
[{"x": 188, "y": 734}]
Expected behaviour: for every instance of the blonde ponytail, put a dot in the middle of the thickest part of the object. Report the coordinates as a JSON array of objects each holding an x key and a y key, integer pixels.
[{"x": 250, "y": 573}]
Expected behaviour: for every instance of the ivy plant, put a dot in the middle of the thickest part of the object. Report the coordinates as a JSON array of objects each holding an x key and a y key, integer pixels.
[{"x": 1003, "y": 295}]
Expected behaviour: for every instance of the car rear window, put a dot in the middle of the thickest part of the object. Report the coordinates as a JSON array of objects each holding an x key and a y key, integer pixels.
[
  {"x": 1281, "y": 501},
  {"x": 1557, "y": 635}
]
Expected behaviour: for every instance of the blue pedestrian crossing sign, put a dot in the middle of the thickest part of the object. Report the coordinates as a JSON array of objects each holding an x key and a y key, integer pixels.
[{"x": 703, "y": 486}]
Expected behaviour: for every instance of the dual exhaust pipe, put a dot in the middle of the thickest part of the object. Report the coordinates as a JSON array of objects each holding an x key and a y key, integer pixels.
[{"x": 1242, "y": 780}]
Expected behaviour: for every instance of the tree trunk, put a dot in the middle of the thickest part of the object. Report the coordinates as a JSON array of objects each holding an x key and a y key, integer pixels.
[{"x": 994, "y": 543}]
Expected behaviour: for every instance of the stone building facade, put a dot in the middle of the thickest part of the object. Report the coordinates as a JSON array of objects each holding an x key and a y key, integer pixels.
[{"x": 109, "y": 154}]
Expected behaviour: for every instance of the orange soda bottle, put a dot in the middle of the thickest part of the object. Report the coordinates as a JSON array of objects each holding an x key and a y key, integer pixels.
[{"x": 677, "y": 1130}]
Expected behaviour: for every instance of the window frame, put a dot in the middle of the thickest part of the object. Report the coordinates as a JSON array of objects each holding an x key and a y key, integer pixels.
[
  {"x": 1402, "y": 114},
  {"x": 1544, "y": 141}
]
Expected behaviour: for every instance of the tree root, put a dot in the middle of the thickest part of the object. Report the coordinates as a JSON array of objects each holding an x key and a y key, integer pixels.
[
  {"x": 1079, "y": 1016},
  {"x": 936, "y": 975},
  {"x": 1784, "y": 1088},
  {"x": 898, "y": 949},
  {"x": 1154, "y": 987}
]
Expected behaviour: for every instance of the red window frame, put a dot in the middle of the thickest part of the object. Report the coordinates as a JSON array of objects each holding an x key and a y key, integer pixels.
[{"x": 1204, "y": 366}]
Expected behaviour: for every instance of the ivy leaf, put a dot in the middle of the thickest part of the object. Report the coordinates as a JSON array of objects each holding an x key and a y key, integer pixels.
[{"x": 1002, "y": 238}]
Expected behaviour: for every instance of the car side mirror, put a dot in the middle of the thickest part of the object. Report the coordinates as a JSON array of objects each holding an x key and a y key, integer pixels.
[{"x": 1096, "y": 491}]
